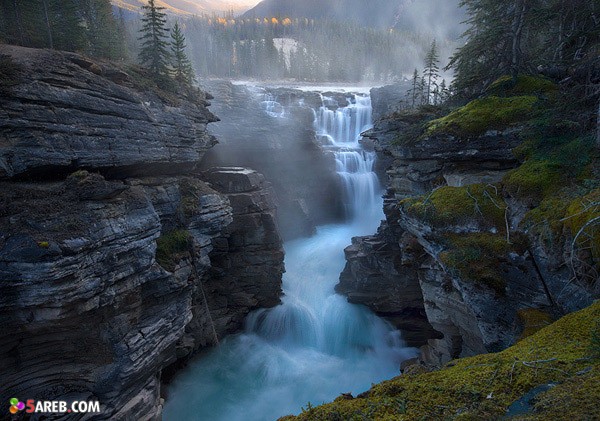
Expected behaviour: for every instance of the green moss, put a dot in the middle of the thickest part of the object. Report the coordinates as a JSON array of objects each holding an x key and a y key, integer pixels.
[
  {"x": 171, "y": 248},
  {"x": 483, "y": 387},
  {"x": 414, "y": 122},
  {"x": 534, "y": 179},
  {"x": 525, "y": 85},
  {"x": 575, "y": 399},
  {"x": 43, "y": 244},
  {"x": 481, "y": 115},
  {"x": 583, "y": 218},
  {"x": 459, "y": 205},
  {"x": 533, "y": 320},
  {"x": 79, "y": 175},
  {"x": 477, "y": 258},
  {"x": 549, "y": 212},
  {"x": 595, "y": 341},
  {"x": 545, "y": 221}
]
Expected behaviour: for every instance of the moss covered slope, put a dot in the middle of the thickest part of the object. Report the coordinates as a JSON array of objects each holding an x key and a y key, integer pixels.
[{"x": 564, "y": 354}]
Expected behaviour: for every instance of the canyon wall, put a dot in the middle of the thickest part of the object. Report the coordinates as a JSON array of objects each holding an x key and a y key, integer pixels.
[
  {"x": 117, "y": 258},
  {"x": 453, "y": 265}
]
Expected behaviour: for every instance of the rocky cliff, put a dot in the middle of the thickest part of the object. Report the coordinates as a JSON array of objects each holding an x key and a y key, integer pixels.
[
  {"x": 116, "y": 258},
  {"x": 472, "y": 255}
]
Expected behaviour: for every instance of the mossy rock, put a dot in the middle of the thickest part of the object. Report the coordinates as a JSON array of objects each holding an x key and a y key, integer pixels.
[
  {"x": 484, "y": 387},
  {"x": 171, "y": 248},
  {"x": 459, "y": 205},
  {"x": 545, "y": 219},
  {"x": 525, "y": 85},
  {"x": 477, "y": 258},
  {"x": 535, "y": 179},
  {"x": 582, "y": 218},
  {"x": 416, "y": 121},
  {"x": 533, "y": 320},
  {"x": 481, "y": 115}
]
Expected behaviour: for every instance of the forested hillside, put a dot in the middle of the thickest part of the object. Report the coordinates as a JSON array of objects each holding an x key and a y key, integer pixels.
[{"x": 86, "y": 26}]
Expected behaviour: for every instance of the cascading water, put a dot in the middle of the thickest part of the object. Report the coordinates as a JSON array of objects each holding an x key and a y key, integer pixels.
[
  {"x": 315, "y": 345},
  {"x": 272, "y": 107},
  {"x": 340, "y": 129}
]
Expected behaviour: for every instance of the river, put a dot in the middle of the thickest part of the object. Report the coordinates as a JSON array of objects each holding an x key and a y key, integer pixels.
[{"x": 315, "y": 345}]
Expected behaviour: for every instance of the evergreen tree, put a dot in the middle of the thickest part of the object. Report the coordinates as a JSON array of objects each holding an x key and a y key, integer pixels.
[
  {"x": 494, "y": 42},
  {"x": 182, "y": 68},
  {"x": 431, "y": 71},
  {"x": 106, "y": 38},
  {"x": 413, "y": 92},
  {"x": 423, "y": 93},
  {"x": 154, "y": 52},
  {"x": 444, "y": 93}
]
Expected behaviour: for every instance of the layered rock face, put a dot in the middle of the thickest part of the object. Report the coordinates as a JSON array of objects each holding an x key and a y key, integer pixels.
[
  {"x": 279, "y": 146},
  {"x": 65, "y": 112},
  {"x": 413, "y": 270},
  {"x": 106, "y": 281}
]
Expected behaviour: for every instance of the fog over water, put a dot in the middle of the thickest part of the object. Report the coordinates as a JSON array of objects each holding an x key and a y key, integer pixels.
[{"x": 315, "y": 345}]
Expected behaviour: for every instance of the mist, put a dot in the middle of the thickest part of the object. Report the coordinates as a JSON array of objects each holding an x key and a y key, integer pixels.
[{"x": 345, "y": 41}]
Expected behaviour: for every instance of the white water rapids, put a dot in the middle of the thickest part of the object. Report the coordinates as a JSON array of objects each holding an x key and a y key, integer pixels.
[{"x": 315, "y": 345}]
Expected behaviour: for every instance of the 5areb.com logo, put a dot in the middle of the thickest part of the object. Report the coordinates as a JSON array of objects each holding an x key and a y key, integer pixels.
[{"x": 53, "y": 407}]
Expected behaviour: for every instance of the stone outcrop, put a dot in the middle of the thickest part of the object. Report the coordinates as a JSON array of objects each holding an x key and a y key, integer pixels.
[
  {"x": 250, "y": 137},
  {"x": 65, "y": 112},
  {"x": 381, "y": 273},
  {"x": 117, "y": 262},
  {"x": 247, "y": 258},
  {"x": 390, "y": 98},
  {"x": 406, "y": 272}
]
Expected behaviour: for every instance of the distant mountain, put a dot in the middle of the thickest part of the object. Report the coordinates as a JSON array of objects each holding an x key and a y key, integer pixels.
[
  {"x": 373, "y": 13},
  {"x": 187, "y": 7},
  {"x": 439, "y": 17}
]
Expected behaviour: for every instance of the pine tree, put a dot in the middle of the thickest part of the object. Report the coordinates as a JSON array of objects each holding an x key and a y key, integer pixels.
[
  {"x": 105, "y": 36},
  {"x": 154, "y": 50},
  {"x": 495, "y": 39},
  {"x": 413, "y": 92},
  {"x": 423, "y": 93},
  {"x": 182, "y": 68},
  {"x": 431, "y": 71},
  {"x": 444, "y": 93}
]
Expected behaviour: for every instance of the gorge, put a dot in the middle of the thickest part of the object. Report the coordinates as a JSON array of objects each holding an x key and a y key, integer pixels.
[
  {"x": 305, "y": 349},
  {"x": 142, "y": 264}
]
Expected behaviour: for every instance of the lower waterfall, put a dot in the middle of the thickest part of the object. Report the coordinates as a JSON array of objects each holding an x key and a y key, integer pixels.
[{"x": 315, "y": 345}]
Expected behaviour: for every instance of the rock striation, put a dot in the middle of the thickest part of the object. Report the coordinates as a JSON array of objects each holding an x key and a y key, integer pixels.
[
  {"x": 117, "y": 261},
  {"x": 413, "y": 270},
  {"x": 66, "y": 112}
]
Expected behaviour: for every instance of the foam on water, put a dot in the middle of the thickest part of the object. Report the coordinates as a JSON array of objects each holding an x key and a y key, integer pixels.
[{"x": 315, "y": 345}]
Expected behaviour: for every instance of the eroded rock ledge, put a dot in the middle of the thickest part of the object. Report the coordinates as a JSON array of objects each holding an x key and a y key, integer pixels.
[
  {"x": 117, "y": 262},
  {"x": 444, "y": 201},
  {"x": 65, "y": 112}
]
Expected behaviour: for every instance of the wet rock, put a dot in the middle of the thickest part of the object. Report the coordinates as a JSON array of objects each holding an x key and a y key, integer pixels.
[{"x": 402, "y": 270}]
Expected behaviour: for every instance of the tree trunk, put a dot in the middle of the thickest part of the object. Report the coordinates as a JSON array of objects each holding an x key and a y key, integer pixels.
[{"x": 520, "y": 8}]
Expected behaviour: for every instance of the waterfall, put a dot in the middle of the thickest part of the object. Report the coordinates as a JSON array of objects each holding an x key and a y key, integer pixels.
[
  {"x": 271, "y": 107},
  {"x": 340, "y": 128},
  {"x": 315, "y": 345}
]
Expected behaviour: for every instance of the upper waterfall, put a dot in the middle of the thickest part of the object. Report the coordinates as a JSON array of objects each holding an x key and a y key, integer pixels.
[{"x": 340, "y": 128}]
